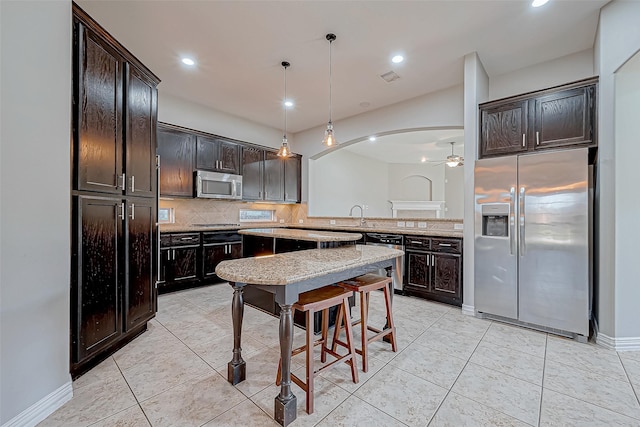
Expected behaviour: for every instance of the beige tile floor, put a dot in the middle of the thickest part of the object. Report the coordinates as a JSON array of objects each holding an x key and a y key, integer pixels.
[{"x": 450, "y": 370}]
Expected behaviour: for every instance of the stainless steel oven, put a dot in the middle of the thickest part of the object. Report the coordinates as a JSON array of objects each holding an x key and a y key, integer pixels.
[{"x": 215, "y": 185}]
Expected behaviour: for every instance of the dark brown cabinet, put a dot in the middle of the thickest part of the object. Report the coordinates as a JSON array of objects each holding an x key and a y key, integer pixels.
[
  {"x": 504, "y": 129},
  {"x": 273, "y": 177},
  {"x": 558, "y": 117},
  {"x": 292, "y": 174},
  {"x": 114, "y": 176},
  {"x": 176, "y": 149},
  {"x": 252, "y": 173},
  {"x": 217, "y": 247},
  {"x": 218, "y": 155},
  {"x": 434, "y": 268}
]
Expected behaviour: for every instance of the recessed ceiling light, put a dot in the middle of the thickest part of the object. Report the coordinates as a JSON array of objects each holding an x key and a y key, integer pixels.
[
  {"x": 399, "y": 58},
  {"x": 423, "y": 159},
  {"x": 188, "y": 61},
  {"x": 288, "y": 103},
  {"x": 538, "y": 3},
  {"x": 372, "y": 138}
]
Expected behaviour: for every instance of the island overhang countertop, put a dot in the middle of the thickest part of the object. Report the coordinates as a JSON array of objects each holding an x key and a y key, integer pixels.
[
  {"x": 307, "y": 235},
  {"x": 293, "y": 267}
]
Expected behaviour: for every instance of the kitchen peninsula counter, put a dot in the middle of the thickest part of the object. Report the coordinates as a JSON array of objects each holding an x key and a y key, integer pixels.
[{"x": 299, "y": 234}]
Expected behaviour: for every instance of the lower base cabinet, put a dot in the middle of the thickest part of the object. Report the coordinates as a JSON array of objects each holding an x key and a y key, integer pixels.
[
  {"x": 434, "y": 268},
  {"x": 113, "y": 275},
  {"x": 189, "y": 259}
]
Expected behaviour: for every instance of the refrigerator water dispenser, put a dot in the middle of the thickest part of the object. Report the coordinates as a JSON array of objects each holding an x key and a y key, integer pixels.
[{"x": 495, "y": 219}]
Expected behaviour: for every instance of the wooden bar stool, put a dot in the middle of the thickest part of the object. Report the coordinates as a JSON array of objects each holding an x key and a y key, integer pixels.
[
  {"x": 311, "y": 302},
  {"x": 364, "y": 285}
]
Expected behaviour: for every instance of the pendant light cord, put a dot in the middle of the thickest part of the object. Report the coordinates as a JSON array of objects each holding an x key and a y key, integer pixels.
[
  {"x": 330, "y": 77},
  {"x": 285, "y": 101}
]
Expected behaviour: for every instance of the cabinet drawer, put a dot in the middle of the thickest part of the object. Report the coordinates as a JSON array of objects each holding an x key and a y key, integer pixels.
[
  {"x": 453, "y": 246},
  {"x": 185, "y": 239},
  {"x": 165, "y": 240},
  {"x": 417, "y": 242},
  {"x": 221, "y": 237}
]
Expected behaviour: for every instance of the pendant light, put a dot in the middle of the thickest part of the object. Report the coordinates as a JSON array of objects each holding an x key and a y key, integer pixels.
[
  {"x": 284, "y": 149},
  {"x": 329, "y": 139}
]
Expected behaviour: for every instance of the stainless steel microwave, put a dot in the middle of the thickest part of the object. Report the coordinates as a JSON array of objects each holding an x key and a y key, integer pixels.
[{"x": 215, "y": 185}]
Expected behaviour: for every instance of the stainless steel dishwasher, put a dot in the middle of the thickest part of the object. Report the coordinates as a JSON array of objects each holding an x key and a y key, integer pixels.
[{"x": 395, "y": 241}]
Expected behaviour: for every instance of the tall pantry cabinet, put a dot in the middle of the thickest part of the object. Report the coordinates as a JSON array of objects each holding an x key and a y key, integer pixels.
[{"x": 114, "y": 195}]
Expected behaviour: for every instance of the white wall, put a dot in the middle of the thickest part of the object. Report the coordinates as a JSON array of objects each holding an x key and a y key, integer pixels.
[
  {"x": 343, "y": 179},
  {"x": 476, "y": 91},
  {"x": 618, "y": 39},
  {"x": 454, "y": 191},
  {"x": 178, "y": 111},
  {"x": 398, "y": 172},
  {"x": 440, "y": 109},
  {"x": 547, "y": 74},
  {"x": 35, "y": 210},
  {"x": 627, "y": 110}
]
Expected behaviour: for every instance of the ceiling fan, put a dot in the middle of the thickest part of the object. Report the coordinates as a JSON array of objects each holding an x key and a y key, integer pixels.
[{"x": 452, "y": 161}]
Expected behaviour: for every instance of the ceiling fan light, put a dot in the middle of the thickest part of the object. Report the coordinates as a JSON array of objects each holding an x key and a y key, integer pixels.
[{"x": 452, "y": 163}]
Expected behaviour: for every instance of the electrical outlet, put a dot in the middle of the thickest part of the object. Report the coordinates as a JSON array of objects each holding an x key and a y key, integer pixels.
[
  {"x": 422, "y": 225},
  {"x": 458, "y": 226},
  {"x": 301, "y": 221},
  {"x": 409, "y": 223},
  {"x": 282, "y": 221},
  {"x": 400, "y": 224},
  {"x": 332, "y": 221}
]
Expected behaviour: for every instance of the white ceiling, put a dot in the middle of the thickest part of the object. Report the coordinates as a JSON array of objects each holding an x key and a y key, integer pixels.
[
  {"x": 411, "y": 147},
  {"x": 239, "y": 46}
]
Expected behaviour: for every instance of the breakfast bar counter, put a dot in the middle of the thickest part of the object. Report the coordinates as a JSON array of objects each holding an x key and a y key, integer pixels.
[
  {"x": 287, "y": 275},
  {"x": 307, "y": 235}
]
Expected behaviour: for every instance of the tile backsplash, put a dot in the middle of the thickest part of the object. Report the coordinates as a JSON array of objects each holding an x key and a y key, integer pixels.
[{"x": 207, "y": 211}]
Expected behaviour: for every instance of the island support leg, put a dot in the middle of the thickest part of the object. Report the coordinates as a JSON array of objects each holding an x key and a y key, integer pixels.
[
  {"x": 286, "y": 402},
  {"x": 237, "y": 368}
]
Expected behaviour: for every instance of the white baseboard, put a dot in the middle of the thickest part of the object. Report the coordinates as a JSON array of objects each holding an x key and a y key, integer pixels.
[
  {"x": 43, "y": 408},
  {"x": 469, "y": 310},
  {"x": 618, "y": 344}
]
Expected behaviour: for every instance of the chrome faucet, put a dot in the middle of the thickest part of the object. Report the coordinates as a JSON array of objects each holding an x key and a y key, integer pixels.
[{"x": 362, "y": 220}]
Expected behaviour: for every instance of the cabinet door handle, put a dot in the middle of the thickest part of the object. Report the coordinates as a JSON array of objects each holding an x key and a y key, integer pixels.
[
  {"x": 133, "y": 183},
  {"x": 415, "y": 242},
  {"x": 537, "y": 138},
  {"x": 121, "y": 210},
  {"x": 428, "y": 264},
  {"x": 433, "y": 260},
  {"x": 133, "y": 211},
  {"x": 174, "y": 254},
  {"x": 123, "y": 177},
  {"x": 446, "y": 245},
  {"x": 524, "y": 140}
]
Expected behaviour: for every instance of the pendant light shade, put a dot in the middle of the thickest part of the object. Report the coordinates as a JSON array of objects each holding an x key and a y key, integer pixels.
[
  {"x": 329, "y": 139},
  {"x": 284, "y": 148}
]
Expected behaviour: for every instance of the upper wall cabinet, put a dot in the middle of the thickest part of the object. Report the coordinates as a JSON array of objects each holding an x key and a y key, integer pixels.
[
  {"x": 252, "y": 173},
  {"x": 115, "y": 110},
  {"x": 218, "y": 155},
  {"x": 558, "y": 117},
  {"x": 292, "y": 184},
  {"x": 177, "y": 151}
]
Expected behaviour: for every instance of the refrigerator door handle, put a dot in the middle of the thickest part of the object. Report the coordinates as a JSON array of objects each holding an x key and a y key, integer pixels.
[
  {"x": 522, "y": 222},
  {"x": 512, "y": 220}
]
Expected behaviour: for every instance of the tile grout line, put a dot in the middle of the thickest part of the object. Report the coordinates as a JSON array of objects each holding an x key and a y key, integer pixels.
[
  {"x": 633, "y": 389},
  {"x": 132, "y": 392},
  {"x": 544, "y": 365},
  {"x": 458, "y": 376}
]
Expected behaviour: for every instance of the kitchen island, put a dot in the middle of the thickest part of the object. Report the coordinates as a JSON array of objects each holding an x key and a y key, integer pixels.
[{"x": 287, "y": 275}]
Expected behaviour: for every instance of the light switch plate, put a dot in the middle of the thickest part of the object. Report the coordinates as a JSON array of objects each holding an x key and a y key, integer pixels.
[
  {"x": 400, "y": 223},
  {"x": 282, "y": 221},
  {"x": 332, "y": 221},
  {"x": 301, "y": 221},
  {"x": 409, "y": 223},
  {"x": 458, "y": 226},
  {"x": 422, "y": 225}
]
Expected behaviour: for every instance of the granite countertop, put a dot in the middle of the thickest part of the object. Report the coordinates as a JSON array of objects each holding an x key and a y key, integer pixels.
[
  {"x": 428, "y": 232},
  {"x": 307, "y": 235},
  {"x": 292, "y": 267}
]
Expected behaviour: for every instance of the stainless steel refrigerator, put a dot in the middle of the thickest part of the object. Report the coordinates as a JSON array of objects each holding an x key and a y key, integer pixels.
[{"x": 532, "y": 237}]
